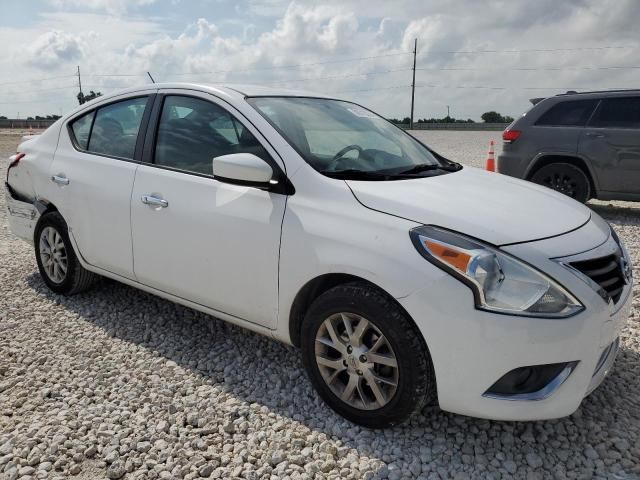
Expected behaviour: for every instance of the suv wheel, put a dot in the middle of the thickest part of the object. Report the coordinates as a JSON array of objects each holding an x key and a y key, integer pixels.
[
  {"x": 365, "y": 358},
  {"x": 57, "y": 262},
  {"x": 564, "y": 178}
]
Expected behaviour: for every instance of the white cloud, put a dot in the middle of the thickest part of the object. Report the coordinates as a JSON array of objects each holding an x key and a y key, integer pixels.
[
  {"x": 54, "y": 48},
  {"x": 268, "y": 37},
  {"x": 113, "y": 7}
]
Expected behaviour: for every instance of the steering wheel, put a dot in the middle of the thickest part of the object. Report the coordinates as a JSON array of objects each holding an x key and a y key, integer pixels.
[{"x": 341, "y": 154}]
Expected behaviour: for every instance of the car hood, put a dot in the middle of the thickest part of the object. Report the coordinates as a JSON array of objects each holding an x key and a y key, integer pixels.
[{"x": 489, "y": 206}]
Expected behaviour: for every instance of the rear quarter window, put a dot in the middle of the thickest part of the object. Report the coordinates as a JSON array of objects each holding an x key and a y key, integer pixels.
[
  {"x": 569, "y": 113},
  {"x": 623, "y": 112},
  {"x": 80, "y": 128}
]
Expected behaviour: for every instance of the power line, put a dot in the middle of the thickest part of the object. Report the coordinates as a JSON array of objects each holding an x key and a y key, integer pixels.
[
  {"x": 29, "y": 92},
  {"x": 275, "y": 67},
  {"x": 306, "y": 79},
  {"x": 20, "y": 102},
  {"x": 540, "y": 50},
  {"x": 486, "y": 87},
  {"x": 114, "y": 74},
  {"x": 301, "y": 79},
  {"x": 35, "y": 80},
  {"x": 527, "y": 69},
  {"x": 375, "y": 89}
]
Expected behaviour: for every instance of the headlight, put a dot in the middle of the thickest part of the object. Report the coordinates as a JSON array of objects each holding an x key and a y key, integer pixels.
[{"x": 501, "y": 283}]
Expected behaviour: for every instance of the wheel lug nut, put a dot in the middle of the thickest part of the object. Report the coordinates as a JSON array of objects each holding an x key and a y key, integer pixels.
[
  {"x": 344, "y": 362},
  {"x": 349, "y": 349},
  {"x": 363, "y": 358},
  {"x": 359, "y": 372}
]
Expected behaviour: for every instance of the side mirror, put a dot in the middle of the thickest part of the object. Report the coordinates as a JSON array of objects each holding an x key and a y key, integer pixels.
[{"x": 242, "y": 169}]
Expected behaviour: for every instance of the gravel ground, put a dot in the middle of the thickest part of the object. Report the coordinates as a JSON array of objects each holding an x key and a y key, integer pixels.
[{"x": 116, "y": 383}]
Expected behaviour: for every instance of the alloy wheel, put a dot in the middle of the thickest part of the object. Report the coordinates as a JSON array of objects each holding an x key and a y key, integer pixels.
[
  {"x": 53, "y": 254},
  {"x": 561, "y": 183},
  {"x": 356, "y": 361}
]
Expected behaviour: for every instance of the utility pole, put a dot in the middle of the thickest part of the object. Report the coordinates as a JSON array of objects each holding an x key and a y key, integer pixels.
[
  {"x": 413, "y": 84},
  {"x": 79, "y": 81},
  {"x": 448, "y": 116}
]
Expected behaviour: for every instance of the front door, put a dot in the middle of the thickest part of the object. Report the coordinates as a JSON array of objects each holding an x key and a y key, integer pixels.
[
  {"x": 203, "y": 240},
  {"x": 611, "y": 142}
]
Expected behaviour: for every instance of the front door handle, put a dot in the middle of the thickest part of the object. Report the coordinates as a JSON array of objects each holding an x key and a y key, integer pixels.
[
  {"x": 595, "y": 135},
  {"x": 60, "y": 179},
  {"x": 154, "y": 201}
]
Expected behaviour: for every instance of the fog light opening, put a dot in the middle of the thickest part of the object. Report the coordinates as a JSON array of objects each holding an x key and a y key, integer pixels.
[{"x": 533, "y": 382}]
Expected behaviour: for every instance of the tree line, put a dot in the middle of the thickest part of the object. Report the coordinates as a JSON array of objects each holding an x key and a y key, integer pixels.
[
  {"x": 37, "y": 117},
  {"x": 82, "y": 98},
  {"x": 487, "y": 117}
]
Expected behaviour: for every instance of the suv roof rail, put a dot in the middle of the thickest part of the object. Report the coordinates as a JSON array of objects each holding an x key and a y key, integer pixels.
[{"x": 617, "y": 90}]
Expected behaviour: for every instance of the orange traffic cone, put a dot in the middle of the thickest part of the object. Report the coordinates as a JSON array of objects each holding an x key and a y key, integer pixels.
[{"x": 490, "y": 163}]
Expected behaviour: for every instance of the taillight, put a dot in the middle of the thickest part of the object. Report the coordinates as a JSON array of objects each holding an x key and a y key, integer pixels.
[
  {"x": 15, "y": 159},
  {"x": 510, "y": 136}
]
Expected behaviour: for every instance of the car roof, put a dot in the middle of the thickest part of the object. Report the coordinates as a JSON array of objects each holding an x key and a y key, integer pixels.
[
  {"x": 245, "y": 90},
  {"x": 588, "y": 94},
  {"x": 233, "y": 92},
  {"x": 601, "y": 93}
]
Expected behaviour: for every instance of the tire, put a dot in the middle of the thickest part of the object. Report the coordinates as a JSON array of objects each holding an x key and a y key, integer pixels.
[
  {"x": 565, "y": 178},
  {"x": 66, "y": 281},
  {"x": 388, "y": 326}
]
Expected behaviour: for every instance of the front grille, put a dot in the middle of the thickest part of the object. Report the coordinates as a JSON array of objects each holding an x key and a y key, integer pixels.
[{"x": 606, "y": 272}]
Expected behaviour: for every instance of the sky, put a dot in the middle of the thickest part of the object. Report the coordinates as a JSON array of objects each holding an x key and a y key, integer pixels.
[{"x": 472, "y": 56}]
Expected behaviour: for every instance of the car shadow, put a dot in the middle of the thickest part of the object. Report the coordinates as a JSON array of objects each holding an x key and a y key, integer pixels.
[{"x": 207, "y": 347}]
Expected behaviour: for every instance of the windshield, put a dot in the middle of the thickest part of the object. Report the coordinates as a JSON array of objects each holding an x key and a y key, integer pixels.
[{"x": 340, "y": 138}]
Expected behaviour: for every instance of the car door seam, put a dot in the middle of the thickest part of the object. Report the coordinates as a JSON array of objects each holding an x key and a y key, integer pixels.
[{"x": 133, "y": 258}]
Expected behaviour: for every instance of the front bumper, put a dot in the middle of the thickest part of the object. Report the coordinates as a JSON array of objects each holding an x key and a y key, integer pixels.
[
  {"x": 471, "y": 349},
  {"x": 22, "y": 215}
]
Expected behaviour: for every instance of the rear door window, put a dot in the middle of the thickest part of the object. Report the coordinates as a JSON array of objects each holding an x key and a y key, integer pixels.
[
  {"x": 622, "y": 112},
  {"x": 570, "y": 113},
  {"x": 115, "y": 129}
]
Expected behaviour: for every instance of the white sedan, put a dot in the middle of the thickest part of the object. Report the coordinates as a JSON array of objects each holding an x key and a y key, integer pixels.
[{"x": 404, "y": 277}]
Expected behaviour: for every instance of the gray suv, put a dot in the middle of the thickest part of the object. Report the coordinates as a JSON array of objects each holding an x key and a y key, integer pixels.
[{"x": 585, "y": 145}]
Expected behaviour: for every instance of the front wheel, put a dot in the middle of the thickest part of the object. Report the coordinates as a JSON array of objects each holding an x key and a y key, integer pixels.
[
  {"x": 564, "y": 178},
  {"x": 57, "y": 262},
  {"x": 365, "y": 357}
]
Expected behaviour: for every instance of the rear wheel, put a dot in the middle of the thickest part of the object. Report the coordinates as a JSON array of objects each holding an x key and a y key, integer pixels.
[
  {"x": 365, "y": 357},
  {"x": 57, "y": 262},
  {"x": 564, "y": 178}
]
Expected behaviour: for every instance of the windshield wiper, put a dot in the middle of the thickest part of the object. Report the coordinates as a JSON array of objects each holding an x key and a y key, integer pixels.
[
  {"x": 354, "y": 174},
  {"x": 424, "y": 167},
  {"x": 391, "y": 174}
]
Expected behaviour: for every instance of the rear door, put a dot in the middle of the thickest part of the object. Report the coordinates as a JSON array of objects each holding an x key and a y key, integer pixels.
[
  {"x": 611, "y": 142},
  {"x": 558, "y": 130},
  {"x": 92, "y": 175}
]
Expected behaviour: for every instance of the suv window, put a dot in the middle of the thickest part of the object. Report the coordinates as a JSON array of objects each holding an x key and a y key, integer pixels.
[
  {"x": 192, "y": 132},
  {"x": 81, "y": 127},
  {"x": 574, "y": 113},
  {"x": 115, "y": 129},
  {"x": 623, "y": 112}
]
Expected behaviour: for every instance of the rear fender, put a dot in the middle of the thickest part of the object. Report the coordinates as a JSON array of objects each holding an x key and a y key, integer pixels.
[{"x": 574, "y": 158}]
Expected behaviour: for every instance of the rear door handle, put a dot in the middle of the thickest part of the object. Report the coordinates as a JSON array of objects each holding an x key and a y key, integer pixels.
[
  {"x": 595, "y": 135},
  {"x": 60, "y": 180},
  {"x": 154, "y": 201}
]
